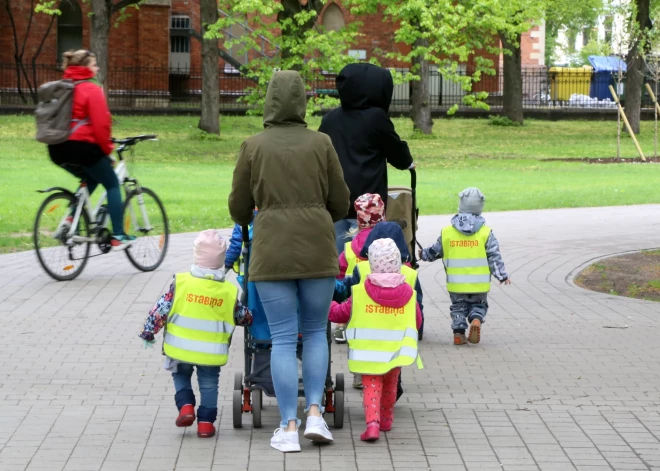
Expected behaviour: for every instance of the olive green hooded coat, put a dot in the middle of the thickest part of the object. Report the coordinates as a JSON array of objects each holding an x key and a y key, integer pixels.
[{"x": 293, "y": 175}]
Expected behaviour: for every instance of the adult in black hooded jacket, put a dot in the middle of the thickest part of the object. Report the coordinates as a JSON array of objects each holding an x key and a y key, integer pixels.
[{"x": 364, "y": 136}]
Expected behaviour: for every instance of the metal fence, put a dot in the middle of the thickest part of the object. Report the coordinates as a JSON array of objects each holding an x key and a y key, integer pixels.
[{"x": 140, "y": 88}]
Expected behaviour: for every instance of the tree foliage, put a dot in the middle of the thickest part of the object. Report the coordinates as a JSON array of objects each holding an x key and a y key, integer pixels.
[{"x": 294, "y": 41}]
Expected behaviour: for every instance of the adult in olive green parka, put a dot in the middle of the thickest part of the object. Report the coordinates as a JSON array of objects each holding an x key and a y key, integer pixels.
[{"x": 293, "y": 175}]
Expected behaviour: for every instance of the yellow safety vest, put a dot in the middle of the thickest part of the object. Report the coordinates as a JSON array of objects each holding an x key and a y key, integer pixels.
[
  {"x": 381, "y": 338},
  {"x": 409, "y": 273},
  {"x": 351, "y": 258},
  {"x": 201, "y": 321},
  {"x": 465, "y": 260}
]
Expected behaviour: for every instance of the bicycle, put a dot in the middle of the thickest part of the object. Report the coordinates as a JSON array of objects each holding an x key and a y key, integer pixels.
[{"x": 63, "y": 246}]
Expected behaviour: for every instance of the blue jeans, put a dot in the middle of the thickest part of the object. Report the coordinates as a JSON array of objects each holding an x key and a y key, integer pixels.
[
  {"x": 342, "y": 228},
  {"x": 207, "y": 377},
  {"x": 281, "y": 300},
  {"x": 103, "y": 173}
]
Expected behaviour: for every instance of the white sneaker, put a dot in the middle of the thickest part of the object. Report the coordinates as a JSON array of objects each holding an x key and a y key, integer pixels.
[
  {"x": 317, "y": 430},
  {"x": 284, "y": 441}
]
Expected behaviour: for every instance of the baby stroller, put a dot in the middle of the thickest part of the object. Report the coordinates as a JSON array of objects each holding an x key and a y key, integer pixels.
[
  {"x": 402, "y": 208},
  {"x": 250, "y": 386}
]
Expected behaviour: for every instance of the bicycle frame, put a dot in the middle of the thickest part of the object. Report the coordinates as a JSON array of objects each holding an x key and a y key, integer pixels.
[{"x": 83, "y": 204}]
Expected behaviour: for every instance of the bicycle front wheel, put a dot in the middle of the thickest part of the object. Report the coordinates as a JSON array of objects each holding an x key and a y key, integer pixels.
[
  {"x": 145, "y": 218},
  {"x": 59, "y": 256}
]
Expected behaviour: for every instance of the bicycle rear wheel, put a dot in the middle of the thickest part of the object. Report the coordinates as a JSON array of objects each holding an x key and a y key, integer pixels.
[
  {"x": 61, "y": 261},
  {"x": 152, "y": 233}
]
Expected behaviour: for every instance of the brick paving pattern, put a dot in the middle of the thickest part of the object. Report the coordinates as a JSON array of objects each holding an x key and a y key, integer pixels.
[{"x": 564, "y": 379}]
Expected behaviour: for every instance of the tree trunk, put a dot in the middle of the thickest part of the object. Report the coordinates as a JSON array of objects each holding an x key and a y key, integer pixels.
[
  {"x": 210, "y": 118},
  {"x": 421, "y": 95},
  {"x": 512, "y": 96},
  {"x": 634, "y": 77},
  {"x": 99, "y": 36}
]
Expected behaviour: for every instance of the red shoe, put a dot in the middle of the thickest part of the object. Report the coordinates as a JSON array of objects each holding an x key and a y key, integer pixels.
[
  {"x": 205, "y": 430},
  {"x": 386, "y": 424},
  {"x": 371, "y": 433},
  {"x": 186, "y": 416}
]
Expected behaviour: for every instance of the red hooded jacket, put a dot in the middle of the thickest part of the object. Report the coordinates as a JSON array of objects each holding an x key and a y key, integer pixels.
[{"x": 89, "y": 103}]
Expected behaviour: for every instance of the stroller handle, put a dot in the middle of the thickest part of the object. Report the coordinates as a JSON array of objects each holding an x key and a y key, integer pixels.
[
  {"x": 413, "y": 178},
  {"x": 246, "y": 234}
]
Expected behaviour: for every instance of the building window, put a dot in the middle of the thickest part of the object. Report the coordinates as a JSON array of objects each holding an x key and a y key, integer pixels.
[
  {"x": 180, "y": 44},
  {"x": 69, "y": 28},
  {"x": 333, "y": 18}
]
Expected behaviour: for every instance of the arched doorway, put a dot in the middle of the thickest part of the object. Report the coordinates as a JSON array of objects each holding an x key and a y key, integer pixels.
[{"x": 333, "y": 18}]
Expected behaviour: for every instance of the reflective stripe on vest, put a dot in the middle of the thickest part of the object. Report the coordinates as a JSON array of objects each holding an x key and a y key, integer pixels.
[
  {"x": 465, "y": 260},
  {"x": 351, "y": 258},
  {"x": 409, "y": 273},
  {"x": 380, "y": 334},
  {"x": 201, "y": 321},
  {"x": 382, "y": 357},
  {"x": 381, "y": 338},
  {"x": 195, "y": 346},
  {"x": 200, "y": 324}
]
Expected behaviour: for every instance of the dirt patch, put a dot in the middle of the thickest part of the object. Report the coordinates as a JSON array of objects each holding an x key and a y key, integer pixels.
[
  {"x": 634, "y": 275},
  {"x": 608, "y": 160}
]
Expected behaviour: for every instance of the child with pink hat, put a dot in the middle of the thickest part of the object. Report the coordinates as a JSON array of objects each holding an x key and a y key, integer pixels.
[{"x": 198, "y": 313}]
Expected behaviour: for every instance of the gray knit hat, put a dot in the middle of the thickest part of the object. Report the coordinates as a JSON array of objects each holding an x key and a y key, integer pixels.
[{"x": 471, "y": 201}]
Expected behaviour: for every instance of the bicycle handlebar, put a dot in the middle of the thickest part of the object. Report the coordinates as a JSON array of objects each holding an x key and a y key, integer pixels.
[{"x": 131, "y": 141}]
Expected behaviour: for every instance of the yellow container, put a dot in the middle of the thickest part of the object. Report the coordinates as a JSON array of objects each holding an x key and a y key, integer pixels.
[{"x": 565, "y": 81}]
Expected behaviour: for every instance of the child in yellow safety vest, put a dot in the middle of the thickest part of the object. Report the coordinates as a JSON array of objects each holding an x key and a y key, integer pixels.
[
  {"x": 383, "y": 317},
  {"x": 199, "y": 313},
  {"x": 471, "y": 254},
  {"x": 370, "y": 210}
]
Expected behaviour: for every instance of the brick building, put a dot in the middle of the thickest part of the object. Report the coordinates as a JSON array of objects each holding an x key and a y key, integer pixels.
[{"x": 156, "y": 40}]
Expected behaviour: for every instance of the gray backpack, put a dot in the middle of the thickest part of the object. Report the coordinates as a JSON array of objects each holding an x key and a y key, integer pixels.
[{"x": 53, "y": 113}]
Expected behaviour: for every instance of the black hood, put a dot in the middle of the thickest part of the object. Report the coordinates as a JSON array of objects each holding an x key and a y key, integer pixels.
[
  {"x": 387, "y": 230},
  {"x": 362, "y": 86}
]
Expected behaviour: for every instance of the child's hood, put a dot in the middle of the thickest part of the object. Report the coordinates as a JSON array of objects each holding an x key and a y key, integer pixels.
[
  {"x": 390, "y": 297},
  {"x": 358, "y": 242},
  {"x": 208, "y": 273},
  {"x": 468, "y": 224}
]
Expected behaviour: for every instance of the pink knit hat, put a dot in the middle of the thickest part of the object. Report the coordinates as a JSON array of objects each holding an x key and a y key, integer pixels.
[
  {"x": 209, "y": 250},
  {"x": 370, "y": 210},
  {"x": 384, "y": 256}
]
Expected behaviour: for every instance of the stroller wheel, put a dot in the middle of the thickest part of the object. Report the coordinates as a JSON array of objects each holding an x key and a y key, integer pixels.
[
  {"x": 339, "y": 409},
  {"x": 237, "y": 406},
  {"x": 238, "y": 382},
  {"x": 339, "y": 382},
  {"x": 257, "y": 403}
]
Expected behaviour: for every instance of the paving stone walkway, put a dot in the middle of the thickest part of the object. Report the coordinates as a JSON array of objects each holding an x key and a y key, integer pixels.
[{"x": 564, "y": 379}]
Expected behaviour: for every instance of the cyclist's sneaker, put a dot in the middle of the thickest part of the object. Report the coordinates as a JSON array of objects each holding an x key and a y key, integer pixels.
[
  {"x": 64, "y": 228},
  {"x": 121, "y": 242}
]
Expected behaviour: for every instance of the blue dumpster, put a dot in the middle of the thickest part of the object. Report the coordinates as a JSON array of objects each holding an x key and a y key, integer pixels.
[{"x": 606, "y": 69}]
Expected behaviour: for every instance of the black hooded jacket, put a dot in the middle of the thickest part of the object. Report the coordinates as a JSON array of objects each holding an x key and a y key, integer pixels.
[{"x": 362, "y": 133}]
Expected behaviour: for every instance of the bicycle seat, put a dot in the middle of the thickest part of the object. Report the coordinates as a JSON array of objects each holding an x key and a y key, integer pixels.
[{"x": 131, "y": 141}]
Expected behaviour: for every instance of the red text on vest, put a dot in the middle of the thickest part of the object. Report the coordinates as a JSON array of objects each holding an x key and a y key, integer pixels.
[{"x": 205, "y": 300}]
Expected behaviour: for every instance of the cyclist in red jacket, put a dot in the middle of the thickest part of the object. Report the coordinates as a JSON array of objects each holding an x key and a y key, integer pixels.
[{"x": 86, "y": 153}]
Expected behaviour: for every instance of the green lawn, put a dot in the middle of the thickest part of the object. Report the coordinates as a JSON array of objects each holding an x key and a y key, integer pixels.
[{"x": 192, "y": 172}]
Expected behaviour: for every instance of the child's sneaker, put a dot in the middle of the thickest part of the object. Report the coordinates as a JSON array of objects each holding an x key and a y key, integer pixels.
[
  {"x": 317, "y": 430},
  {"x": 459, "y": 339},
  {"x": 386, "y": 424},
  {"x": 205, "y": 430},
  {"x": 340, "y": 334},
  {"x": 475, "y": 331},
  {"x": 284, "y": 441},
  {"x": 371, "y": 433},
  {"x": 357, "y": 381},
  {"x": 121, "y": 242},
  {"x": 186, "y": 416}
]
